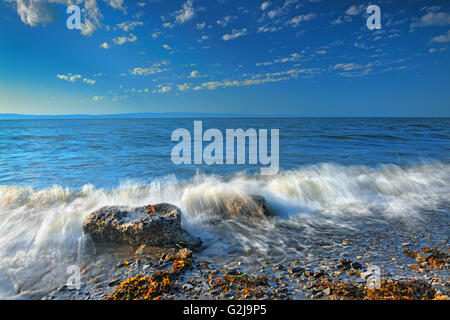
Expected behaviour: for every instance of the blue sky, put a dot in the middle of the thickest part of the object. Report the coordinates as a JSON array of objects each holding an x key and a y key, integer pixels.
[{"x": 297, "y": 57}]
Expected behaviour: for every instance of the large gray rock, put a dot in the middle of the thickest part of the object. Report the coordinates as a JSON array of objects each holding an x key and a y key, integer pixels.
[
  {"x": 153, "y": 225},
  {"x": 248, "y": 206}
]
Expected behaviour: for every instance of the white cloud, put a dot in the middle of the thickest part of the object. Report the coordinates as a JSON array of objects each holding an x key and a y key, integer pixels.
[
  {"x": 258, "y": 79},
  {"x": 166, "y": 46},
  {"x": 74, "y": 77},
  {"x": 264, "y": 29},
  {"x": 36, "y": 12},
  {"x": 69, "y": 77},
  {"x": 105, "y": 45},
  {"x": 212, "y": 85},
  {"x": 346, "y": 66},
  {"x": 122, "y": 40},
  {"x": 186, "y": 13},
  {"x": 287, "y": 7},
  {"x": 442, "y": 38},
  {"x": 89, "y": 81},
  {"x": 273, "y": 13},
  {"x": 183, "y": 87},
  {"x": 265, "y": 5},
  {"x": 203, "y": 38},
  {"x": 116, "y": 4},
  {"x": 433, "y": 19},
  {"x": 92, "y": 18},
  {"x": 352, "y": 69},
  {"x": 97, "y": 98},
  {"x": 301, "y": 18},
  {"x": 292, "y": 57},
  {"x": 88, "y": 28},
  {"x": 145, "y": 71},
  {"x": 194, "y": 74},
  {"x": 155, "y": 34},
  {"x": 225, "y": 21},
  {"x": 129, "y": 25},
  {"x": 200, "y": 26},
  {"x": 234, "y": 34},
  {"x": 354, "y": 10},
  {"x": 164, "y": 89}
]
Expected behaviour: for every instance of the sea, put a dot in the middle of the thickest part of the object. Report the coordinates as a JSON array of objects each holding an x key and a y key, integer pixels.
[{"x": 338, "y": 179}]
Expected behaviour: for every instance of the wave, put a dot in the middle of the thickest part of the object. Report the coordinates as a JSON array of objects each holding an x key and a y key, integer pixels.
[
  {"x": 40, "y": 228},
  {"x": 328, "y": 188}
]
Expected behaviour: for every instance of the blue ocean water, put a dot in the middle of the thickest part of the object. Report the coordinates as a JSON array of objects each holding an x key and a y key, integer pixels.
[
  {"x": 338, "y": 178},
  {"x": 106, "y": 152}
]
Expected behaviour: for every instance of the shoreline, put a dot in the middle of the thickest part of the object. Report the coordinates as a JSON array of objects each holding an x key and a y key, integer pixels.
[{"x": 180, "y": 274}]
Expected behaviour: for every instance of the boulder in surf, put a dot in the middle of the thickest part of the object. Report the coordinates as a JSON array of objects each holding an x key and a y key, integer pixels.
[
  {"x": 248, "y": 206},
  {"x": 153, "y": 225}
]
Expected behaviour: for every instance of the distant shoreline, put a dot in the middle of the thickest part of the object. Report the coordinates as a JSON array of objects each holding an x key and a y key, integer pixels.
[
  {"x": 182, "y": 115},
  {"x": 166, "y": 115}
]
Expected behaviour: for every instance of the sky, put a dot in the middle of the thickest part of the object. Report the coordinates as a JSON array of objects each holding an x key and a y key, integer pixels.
[{"x": 293, "y": 57}]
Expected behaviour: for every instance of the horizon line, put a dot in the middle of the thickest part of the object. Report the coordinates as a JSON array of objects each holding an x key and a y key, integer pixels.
[{"x": 149, "y": 115}]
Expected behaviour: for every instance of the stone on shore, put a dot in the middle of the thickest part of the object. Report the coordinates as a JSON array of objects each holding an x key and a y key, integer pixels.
[
  {"x": 153, "y": 225},
  {"x": 252, "y": 206}
]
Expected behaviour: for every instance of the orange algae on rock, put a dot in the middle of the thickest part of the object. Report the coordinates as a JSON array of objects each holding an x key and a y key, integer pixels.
[
  {"x": 390, "y": 289},
  {"x": 241, "y": 285},
  {"x": 430, "y": 257},
  {"x": 140, "y": 287}
]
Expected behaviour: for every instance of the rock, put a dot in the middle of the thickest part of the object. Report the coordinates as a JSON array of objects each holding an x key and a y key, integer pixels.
[
  {"x": 62, "y": 288},
  {"x": 296, "y": 270},
  {"x": 271, "y": 283},
  {"x": 279, "y": 267},
  {"x": 158, "y": 225},
  {"x": 188, "y": 286},
  {"x": 184, "y": 254},
  {"x": 327, "y": 291},
  {"x": 252, "y": 206},
  {"x": 405, "y": 244},
  {"x": 346, "y": 264},
  {"x": 113, "y": 282},
  {"x": 154, "y": 254},
  {"x": 233, "y": 272},
  {"x": 319, "y": 274}
]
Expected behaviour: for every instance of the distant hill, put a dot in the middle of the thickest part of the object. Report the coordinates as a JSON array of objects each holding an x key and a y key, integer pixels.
[{"x": 15, "y": 116}]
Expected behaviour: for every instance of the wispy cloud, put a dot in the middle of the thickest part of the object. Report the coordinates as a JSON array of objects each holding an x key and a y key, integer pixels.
[
  {"x": 43, "y": 12},
  {"x": 234, "y": 34},
  {"x": 265, "y": 5},
  {"x": 290, "y": 58},
  {"x": 186, "y": 13},
  {"x": 105, "y": 45},
  {"x": 122, "y": 40},
  {"x": 128, "y": 26},
  {"x": 442, "y": 38},
  {"x": 69, "y": 77},
  {"x": 226, "y": 21},
  {"x": 145, "y": 71},
  {"x": 74, "y": 77},
  {"x": 194, "y": 74},
  {"x": 301, "y": 18},
  {"x": 433, "y": 19}
]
